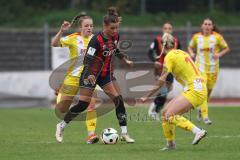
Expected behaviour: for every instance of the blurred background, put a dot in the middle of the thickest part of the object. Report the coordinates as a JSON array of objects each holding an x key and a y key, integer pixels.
[{"x": 27, "y": 26}]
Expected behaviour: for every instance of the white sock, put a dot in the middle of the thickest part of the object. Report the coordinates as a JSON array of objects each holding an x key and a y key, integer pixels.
[
  {"x": 195, "y": 130},
  {"x": 152, "y": 108},
  {"x": 63, "y": 124},
  {"x": 124, "y": 129}
]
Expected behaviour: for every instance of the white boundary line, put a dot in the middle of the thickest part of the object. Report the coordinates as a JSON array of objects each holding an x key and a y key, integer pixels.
[{"x": 177, "y": 138}]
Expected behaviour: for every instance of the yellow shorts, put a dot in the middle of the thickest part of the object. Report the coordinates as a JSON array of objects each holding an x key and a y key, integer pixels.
[
  {"x": 196, "y": 98},
  {"x": 210, "y": 79},
  {"x": 70, "y": 86}
]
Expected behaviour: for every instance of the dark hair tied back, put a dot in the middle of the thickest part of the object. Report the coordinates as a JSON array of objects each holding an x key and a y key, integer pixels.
[{"x": 112, "y": 16}]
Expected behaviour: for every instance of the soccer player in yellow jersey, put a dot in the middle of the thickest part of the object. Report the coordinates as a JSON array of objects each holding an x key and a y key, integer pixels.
[
  {"x": 209, "y": 46},
  {"x": 180, "y": 64},
  {"x": 77, "y": 44}
]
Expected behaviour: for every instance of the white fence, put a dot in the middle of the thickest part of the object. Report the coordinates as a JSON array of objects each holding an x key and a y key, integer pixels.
[{"x": 36, "y": 84}]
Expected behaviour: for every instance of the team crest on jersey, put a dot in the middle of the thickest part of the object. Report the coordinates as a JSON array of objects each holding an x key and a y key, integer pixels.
[{"x": 91, "y": 51}]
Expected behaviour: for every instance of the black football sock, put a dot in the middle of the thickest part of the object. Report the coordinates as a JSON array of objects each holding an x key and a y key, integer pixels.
[
  {"x": 120, "y": 110},
  {"x": 75, "y": 110}
]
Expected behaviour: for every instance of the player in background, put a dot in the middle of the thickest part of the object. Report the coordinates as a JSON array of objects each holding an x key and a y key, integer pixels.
[
  {"x": 180, "y": 64},
  {"x": 153, "y": 53},
  {"x": 98, "y": 70},
  {"x": 77, "y": 44},
  {"x": 208, "y": 46}
]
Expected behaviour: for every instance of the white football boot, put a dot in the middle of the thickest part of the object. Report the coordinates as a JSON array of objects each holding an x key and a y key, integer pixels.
[
  {"x": 169, "y": 147},
  {"x": 59, "y": 132},
  {"x": 199, "y": 136},
  {"x": 207, "y": 121},
  {"x": 127, "y": 138}
]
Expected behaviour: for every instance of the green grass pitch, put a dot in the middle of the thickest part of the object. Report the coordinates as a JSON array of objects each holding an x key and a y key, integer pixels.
[{"x": 28, "y": 134}]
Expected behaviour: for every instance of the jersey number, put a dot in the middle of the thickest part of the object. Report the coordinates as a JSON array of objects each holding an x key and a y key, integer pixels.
[{"x": 188, "y": 60}]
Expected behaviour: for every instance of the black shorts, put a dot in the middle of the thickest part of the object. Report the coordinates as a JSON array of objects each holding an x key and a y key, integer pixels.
[{"x": 101, "y": 80}]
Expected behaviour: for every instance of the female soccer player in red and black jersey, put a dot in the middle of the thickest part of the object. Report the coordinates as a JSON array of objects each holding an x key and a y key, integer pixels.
[
  {"x": 98, "y": 70},
  {"x": 154, "y": 55}
]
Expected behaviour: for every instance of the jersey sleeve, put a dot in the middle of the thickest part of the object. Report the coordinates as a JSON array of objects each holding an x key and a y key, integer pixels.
[
  {"x": 93, "y": 46},
  {"x": 152, "y": 50},
  {"x": 221, "y": 42},
  {"x": 93, "y": 63},
  {"x": 193, "y": 42},
  {"x": 65, "y": 41}
]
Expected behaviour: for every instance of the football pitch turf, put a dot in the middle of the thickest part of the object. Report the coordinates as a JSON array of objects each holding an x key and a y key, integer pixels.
[{"x": 28, "y": 134}]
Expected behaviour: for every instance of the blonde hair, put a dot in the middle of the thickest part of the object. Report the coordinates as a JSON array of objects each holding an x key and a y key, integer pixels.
[{"x": 168, "y": 41}]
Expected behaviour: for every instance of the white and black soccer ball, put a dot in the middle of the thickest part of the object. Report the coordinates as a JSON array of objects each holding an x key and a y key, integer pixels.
[{"x": 109, "y": 136}]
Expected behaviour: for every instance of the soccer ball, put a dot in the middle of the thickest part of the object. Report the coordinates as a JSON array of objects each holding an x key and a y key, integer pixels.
[{"x": 109, "y": 136}]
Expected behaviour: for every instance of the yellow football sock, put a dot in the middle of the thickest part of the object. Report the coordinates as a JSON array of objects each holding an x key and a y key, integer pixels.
[
  {"x": 181, "y": 122},
  {"x": 91, "y": 120},
  {"x": 168, "y": 130},
  {"x": 204, "y": 109}
]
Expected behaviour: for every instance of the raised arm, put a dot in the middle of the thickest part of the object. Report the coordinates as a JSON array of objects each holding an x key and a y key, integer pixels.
[{"x": 56, "y": 39}]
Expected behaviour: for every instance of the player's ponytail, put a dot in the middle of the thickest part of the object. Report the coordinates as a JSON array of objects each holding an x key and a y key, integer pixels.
[
  {"x": 78, "y": 19},
  {"x": 112, "y": 16}
]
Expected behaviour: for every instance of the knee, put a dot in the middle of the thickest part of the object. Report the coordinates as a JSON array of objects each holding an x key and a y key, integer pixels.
[
  {"x": 63, "y": 110},
  {"x": 62, "y": 107},
  {"x": 118, "y": 100},
  {"x": 166, "y": 114},
  {"x": 163, "y": 112}
]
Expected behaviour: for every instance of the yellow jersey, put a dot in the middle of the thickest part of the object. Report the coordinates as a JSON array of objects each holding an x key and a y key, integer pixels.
[
  {"x": 180, "y": 64},
  {"x": 206, "y": 47},
  {"x": 77, "y": 45}
]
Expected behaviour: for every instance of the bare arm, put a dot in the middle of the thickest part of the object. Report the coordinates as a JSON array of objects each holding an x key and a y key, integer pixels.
[
  {"x": 56, "y": 39},
  {"x": 127, "y": 62},
  {"x": 191, "y": 52},
  {"x": 123, "y": 58},
  {"x": 159, "y": 83},
  {"x": 222, "y": 53}
]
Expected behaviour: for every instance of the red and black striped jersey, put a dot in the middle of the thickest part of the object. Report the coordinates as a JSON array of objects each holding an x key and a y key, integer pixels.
[
  {"x": 156, "y": 46},
  {"x": 101, "y": 48},
  {"x": 156, "y": 49}
]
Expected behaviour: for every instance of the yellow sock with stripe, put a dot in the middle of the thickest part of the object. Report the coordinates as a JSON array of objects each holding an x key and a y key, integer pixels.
[
  {"x": 181, "y": 122},
  {"x": 168, "y": 130},
  {"x": 91, "y": 120},
  {"x": 204, "y": 109}
]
